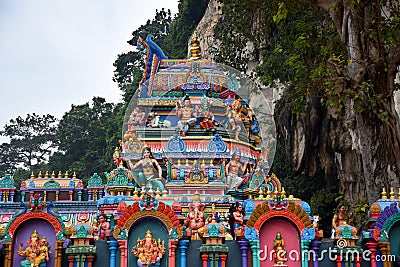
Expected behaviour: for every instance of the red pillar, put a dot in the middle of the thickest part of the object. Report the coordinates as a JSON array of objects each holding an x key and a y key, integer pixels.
[
  {"x": 358, "y": 262},
  {"x": 339, "y": 261},
  {"x": 71, "y": 260},
  {"x": 223, "y": 259},
  {"x": 123, "y": 248},
  {"x": 90, "y": 259},
  {"x": 204, "y": 258},
  {"x": 372, "y": 246},
  {"x": 171, "y": 252}
]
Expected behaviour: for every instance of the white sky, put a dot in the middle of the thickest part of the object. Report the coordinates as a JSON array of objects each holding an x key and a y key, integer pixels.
[{"x": 57, "y": 53}]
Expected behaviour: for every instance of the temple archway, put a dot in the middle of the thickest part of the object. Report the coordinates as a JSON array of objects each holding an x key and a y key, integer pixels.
[{"x": 289, "y": 233}]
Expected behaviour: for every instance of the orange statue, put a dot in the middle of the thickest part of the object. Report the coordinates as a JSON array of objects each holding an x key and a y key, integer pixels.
[
  {"x": 148, "y": 251},
  {"x": 279, "y": 250}
]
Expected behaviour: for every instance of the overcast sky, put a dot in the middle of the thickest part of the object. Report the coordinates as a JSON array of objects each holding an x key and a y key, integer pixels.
[{"x": 57, "y": 53}]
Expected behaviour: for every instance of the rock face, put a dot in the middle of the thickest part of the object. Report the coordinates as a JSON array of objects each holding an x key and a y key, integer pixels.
[
  {"x": 205, "y": 30},
  {"x": 357, "y": 151}
]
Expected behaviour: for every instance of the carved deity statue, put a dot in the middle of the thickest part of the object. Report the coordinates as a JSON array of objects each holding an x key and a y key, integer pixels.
[
  {"x": 150, "y": 176},
  {"x": 238, "y": 218},
  {"x": 340, "y": 223},
  {"x": 186, "y": 112},
  {"x": 36, "y": 252},
  {"x": 232, "y": 170},
  {"x": 195, "y": 219},
  {"x": 280, "y": 255},
  {"x": 148, "y": 250}
]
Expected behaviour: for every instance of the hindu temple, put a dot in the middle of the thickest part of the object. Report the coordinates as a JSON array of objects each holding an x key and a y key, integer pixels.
[{"x": 191, "y": 187}]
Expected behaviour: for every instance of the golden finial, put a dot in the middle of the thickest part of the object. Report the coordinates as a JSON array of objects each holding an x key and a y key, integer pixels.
[
  {"x": 187, "y": 162},
  {"x": 165, "y": 193},
  {"x": 179, "y": 162},
  {"x": 158, "y": 192},
  {"x": 384, "y": 194},
  {"x": 283, "y": 192},
  {"x": 59, "y": 174},
  {"x": 211, "y": 162},
  {"x": 32, "y": 176},
  {"x": 74, "y": 176},
  {"x": 143, "y": 190},
  {"x": 121, "y": 164},
  {"x": 195, "y": 49},
  {"x": 66, "y": 175},
  {"x": 260, "y": 193},
  {"x": 46, "y": 175},
  {"x": 117, "y": 153},
  {"x": 268, "y": 193},
  {"x": 392, "y": 193},
  {"x": 40, "y": 174},
  {"x": 53, "y": 175},
  {"x": 203, "y": 163},
  {"x": 135, "y": 193},
  {"x": 150, "y": 190}
]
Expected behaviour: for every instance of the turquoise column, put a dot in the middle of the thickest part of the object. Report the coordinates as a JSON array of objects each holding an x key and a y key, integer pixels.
[
  {"x": 305, "y": 244},
  {"x": 183, "y": 246},
  {"x": 113, "y": 246},
  {"x": 255, "y": 247}
]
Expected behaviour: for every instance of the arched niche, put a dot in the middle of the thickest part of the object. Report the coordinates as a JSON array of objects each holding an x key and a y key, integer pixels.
[
  {"x": 290, "y": 234},
  {"x": 139, "y": 229},
  {"x": 23, "y": 233}
]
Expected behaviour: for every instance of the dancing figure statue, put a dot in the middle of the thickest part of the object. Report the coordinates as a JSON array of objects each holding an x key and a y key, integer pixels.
[
  {"x": 148, "y": 251},
  {"x": 150, "y": 176}
]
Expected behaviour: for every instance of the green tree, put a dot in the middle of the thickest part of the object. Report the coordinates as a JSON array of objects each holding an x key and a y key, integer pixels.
[
  {"x": 339, "y": 60},
  {"x": 32, "y": 141},
  {"x": 87, "y": 137}
]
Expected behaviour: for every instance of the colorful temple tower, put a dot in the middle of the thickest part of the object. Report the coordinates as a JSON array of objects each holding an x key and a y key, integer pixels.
[{"x": 191, "y": 187}]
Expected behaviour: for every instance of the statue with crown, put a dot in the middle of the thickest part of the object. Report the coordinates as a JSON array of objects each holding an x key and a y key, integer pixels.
[
  {"x": 149, "y": 251},
  {"x": 36, "y": 252}
]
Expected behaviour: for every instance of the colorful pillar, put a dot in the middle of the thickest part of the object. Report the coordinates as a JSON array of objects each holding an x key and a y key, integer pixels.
[
  {"x": 183, "y": 246},
  {"x": 113, "y": 246},
  {"x": 172, "y": 245},
  {"x": 244, "y": 247},
  {"x": 223, "y": 258},
  {"x": 315, "y": 248},
  {"x": 71, "y": 259},
  {"x": 305, "y": 245},
  {"x": 385, "y": 249},
  {"x": 255, "y": 247},
  {"x": 123, "y": 249},
  {"x": 372, "y": 247},
  {"x": 90, "y": 260},
  {"x": 204, "y": 258}
]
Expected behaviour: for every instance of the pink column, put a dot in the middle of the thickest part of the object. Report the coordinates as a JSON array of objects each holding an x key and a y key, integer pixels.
[
  {"x": 123, "y": 247},
  {"x": 223, "y": 259},
  {"x": 339, "y": 261},
  {"x": 171, "y": 252},
  {"x": 372, "y": 246},
  {"x": 71, "y": 260}
]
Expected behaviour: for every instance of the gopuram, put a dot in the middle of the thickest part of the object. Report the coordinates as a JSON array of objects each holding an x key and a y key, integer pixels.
[{"x": 191, "y": 187}]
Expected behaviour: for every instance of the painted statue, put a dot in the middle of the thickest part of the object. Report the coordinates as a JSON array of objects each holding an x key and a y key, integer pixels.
[
  {"x": 185, "y": 112},
  {"x": 234, "y": 180},
  {"x": 103, "y": 227},
  {"x": 36, "y": 252},
  {"x": 195, "y": 219},
  {"x": 238, "y": 219},
  {"x": 150, "y": 176},
  {"x": 235, "y": 117},
  {"x": 280, "y": 254},
  {"x": 340, "y": 223},
  {"x": 148, "y": 250}
]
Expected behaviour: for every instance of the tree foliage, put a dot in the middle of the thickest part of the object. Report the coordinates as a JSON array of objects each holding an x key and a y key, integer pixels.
[
  {"x": 87, "y": 137},
  {"x": 32, "y": 141},
  {"x": 338, "y": 60}
]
